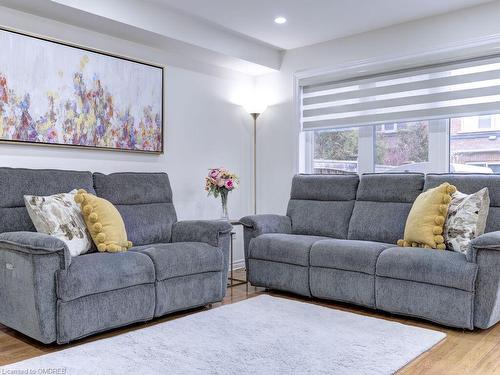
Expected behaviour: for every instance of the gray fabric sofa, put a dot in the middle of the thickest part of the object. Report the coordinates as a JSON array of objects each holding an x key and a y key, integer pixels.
[
  {"x": 50, "y": 296},
  {"x": 337, "y": 241}
]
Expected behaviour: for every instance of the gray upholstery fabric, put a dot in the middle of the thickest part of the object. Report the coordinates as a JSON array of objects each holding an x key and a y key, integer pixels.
[
  {"x": 378, "y": 221},
  {"x": 487, "y": 241},
  {"x": 186, "y": 292},
  {"x": 285, "y": 248},
  {"x": 102, "y": 272},
  {"x": 382, "y": 206},
  {"x": 320, "y": 218},
  {"x": 37, "y": 244},
  {"x": 213, "y": 232},
  {"x": 183, "y": 258},
  {"x": 267, "y": 223},
  {"x": 322, "y": 205},
  {"x": 470, "y": 183},
  {"x": 485, "y": 252},
  {"x": 437, "y": 267},
  {"x": 145, "y": 202},
  {"x": 15, "y": 219},
  {"x": 207, "y": 231},
  {"x": 348, "y": 255},
  {"x": 280, "y": 276},
  {"x": 148, "y": 223},
  {"x": 493, "y": 221},
  {"x": 448, "y": 306},
  {"x": 324, "y": 187},
  {"x": 390, "y": 187},
  {"x": 17, "y": 182},
  {"x": 100, "y": 312},
  {"x": 487, "y": 300},
  {"x": 345, "y": 286},
  {"x": 28, "y": 263},
  {"x": 225, "y": 242},
  {"x": 28, "y": 293},
  {"x": 255, "y": 225},
  {"x": 133, "y": 188}
]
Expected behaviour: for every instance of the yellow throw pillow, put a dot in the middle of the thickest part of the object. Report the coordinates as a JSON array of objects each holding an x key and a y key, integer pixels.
[
  {"x": 104, "y": 223},
  {"x": 425, "y": 222}
]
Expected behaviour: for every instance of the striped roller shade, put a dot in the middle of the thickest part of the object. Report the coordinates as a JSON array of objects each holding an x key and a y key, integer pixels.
[{"x": 464, "y": 88}]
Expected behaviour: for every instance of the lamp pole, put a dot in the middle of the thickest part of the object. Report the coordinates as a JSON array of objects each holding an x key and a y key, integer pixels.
[{"x": 254, "y": 116}]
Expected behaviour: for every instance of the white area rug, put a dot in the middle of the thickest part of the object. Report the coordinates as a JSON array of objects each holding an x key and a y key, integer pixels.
[{"x": 261, "y": 335}]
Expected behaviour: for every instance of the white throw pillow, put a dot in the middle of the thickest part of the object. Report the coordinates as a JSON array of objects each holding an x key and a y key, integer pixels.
[
  {"x": 466, "y": 219},
  {"x": 60, "y": 216}
]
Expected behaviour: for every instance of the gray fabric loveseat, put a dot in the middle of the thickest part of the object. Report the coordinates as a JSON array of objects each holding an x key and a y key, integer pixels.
[
  {"x": 50, "y": 296},
  {"x": 337, "y": 241}
]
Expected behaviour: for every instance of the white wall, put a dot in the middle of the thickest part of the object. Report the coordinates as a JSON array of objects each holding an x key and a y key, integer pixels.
[
  {"x": 203, "y": 127},
  {"x": 278, "y": 128}
]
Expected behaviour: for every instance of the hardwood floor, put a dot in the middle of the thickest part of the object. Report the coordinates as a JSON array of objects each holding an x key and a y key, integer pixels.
[{"x": 462, "y": 352}]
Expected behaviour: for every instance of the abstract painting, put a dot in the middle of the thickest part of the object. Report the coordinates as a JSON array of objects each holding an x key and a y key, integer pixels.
[{"x": 57, "y": 94}]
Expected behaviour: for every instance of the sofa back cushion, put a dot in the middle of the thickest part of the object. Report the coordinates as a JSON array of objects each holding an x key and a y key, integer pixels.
[
  {"x": 15, "y": 183},
  {"x": 322, "y": 204},
  {"x": 382, "y": 205},
  {"x": 145, "y": 202},
  {"x": 469, "y": 183}
]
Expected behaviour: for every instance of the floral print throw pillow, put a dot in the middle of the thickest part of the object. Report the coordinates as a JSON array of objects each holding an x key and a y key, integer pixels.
[
  {"x": 466, "y": 219},
  {"x": 60, "y": 216}
]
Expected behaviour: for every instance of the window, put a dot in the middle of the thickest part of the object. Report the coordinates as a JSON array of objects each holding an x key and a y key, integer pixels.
[
  {"x": 335, "y": 151},
  {"x": 472, "y": 148},
  {"x": 387, "y": 128},
  {"x": 415, "y": 120},
  {"x": 406, "y": 148},
  {"x": 484, "y": 122}
]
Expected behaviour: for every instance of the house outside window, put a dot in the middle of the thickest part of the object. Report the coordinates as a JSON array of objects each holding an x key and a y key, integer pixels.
[{"x": 474, "y": 144}]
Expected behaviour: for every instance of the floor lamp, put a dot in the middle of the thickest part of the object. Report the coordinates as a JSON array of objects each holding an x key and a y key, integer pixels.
[{"x": 255, "y": 111}]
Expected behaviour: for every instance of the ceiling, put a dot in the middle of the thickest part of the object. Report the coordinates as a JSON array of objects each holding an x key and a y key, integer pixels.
[
  {"x": 227, "y": 36},
  {"x": 310, "y": 21}
]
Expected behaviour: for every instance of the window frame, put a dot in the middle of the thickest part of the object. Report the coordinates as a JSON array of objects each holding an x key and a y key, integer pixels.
[{"x": 438, "y": 157}]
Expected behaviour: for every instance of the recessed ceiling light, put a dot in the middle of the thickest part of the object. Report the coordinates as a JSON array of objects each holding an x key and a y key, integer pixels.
[{"x": 280, "y": 20}]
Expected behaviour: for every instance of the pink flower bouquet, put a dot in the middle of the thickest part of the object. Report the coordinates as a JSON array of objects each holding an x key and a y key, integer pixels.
[{"x": 220, "y": 182}]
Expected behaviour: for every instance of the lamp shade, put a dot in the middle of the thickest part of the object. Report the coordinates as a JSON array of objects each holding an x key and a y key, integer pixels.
[{"x": 255, "y": 106}]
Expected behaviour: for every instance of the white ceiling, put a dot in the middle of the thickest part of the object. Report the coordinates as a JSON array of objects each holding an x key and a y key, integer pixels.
[
  {"x": 310, "y": 21},
  {"x": 227, "y": 36}
]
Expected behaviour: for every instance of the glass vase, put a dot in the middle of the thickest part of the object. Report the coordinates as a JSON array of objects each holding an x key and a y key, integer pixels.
[{"x": 224, "y": 214}]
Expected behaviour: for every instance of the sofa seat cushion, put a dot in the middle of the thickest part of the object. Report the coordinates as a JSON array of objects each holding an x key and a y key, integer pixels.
[
  {"x": 284, "y": 248},
  {"x": 437, "y": 267},
  {"x": 102, "y": 272},
  {"x": 183, "y": 258},
  {"x": 348, "y": 255}
]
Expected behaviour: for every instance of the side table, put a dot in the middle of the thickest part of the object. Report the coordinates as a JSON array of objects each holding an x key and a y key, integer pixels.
[{"x": 232, "y": 280}]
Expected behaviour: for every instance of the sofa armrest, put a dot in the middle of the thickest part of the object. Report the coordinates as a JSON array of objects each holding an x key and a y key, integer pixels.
[
  {"x": 207, "y": 231},
  {"x": 487, "y": 241},
  {"x": 267, "y": 223},
  {"x": 485, "y": 252},
  {"x": 30, "y": 262},
  {"x": 255, "y": 225},
  {"x": 36, "y": 244}
]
